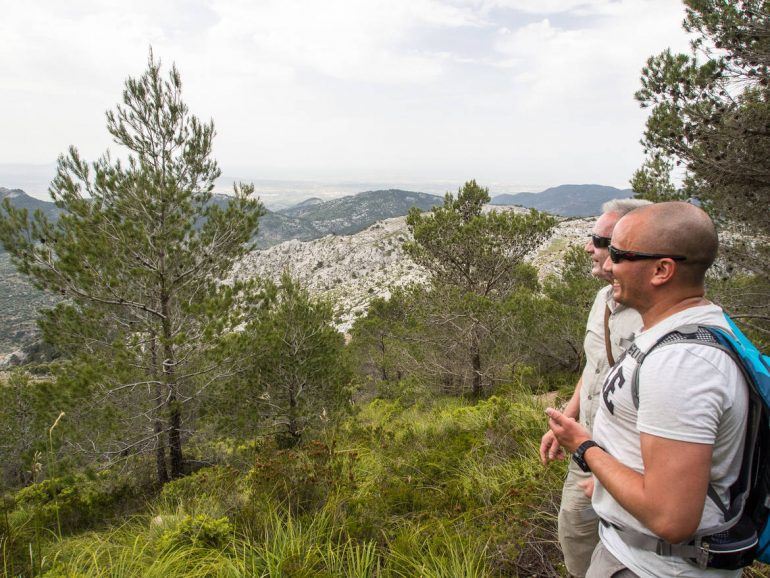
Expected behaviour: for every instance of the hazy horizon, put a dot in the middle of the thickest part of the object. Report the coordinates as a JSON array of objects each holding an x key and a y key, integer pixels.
[
  {"x": 518, "y": 94},
  {"x": 279, "y": 193}
]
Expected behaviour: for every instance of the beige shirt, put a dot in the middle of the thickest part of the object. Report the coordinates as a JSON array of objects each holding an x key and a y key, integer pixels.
[{"x": 624, "y": 323}]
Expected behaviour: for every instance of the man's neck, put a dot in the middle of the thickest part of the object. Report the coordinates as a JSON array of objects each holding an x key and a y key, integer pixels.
[{"x": 664, "y": 309}]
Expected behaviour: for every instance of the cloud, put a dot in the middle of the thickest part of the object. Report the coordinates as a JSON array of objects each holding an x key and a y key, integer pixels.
[{"x": 512, "y": 89}]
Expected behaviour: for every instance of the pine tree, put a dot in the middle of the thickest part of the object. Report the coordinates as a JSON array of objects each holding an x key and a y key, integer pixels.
[
  {"x": 476, "y": 260},
  {"x": 296, "y": 374},
  {"x": 138, "y": 254},
  {"x": 711, "y": 116}
]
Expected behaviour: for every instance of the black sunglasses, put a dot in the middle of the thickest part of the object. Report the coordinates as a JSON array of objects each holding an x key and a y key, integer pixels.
[
  {"x": 618, "y": 255},
  {"x": 599, "y": 241}
]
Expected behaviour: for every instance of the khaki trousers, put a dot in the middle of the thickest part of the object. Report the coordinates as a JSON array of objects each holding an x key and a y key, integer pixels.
[
  {"x": 605, "y": 565},
  {"x": 578, "y": 523}
]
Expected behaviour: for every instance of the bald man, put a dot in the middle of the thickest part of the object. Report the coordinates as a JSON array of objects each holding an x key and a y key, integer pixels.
[
  {"x": 609, "y": 324},
  {"x": 653, "y": 465}
]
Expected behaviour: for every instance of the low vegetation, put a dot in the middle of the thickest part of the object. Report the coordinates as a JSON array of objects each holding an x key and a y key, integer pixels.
[{"x": 401, "y": 488}]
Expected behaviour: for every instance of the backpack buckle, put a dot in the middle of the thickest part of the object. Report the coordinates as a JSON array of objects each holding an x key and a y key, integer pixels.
[{"x": 703, "y": 555}]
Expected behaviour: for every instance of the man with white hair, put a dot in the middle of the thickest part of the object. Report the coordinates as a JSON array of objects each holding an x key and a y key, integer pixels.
[{"x": 608, "y": 325}]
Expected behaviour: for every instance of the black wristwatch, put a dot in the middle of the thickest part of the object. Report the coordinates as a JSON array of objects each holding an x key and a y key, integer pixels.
[{"x": 578, "y": 455}]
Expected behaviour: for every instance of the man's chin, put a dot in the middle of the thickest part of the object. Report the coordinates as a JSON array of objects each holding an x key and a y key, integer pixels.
[
  {"x": 601, "y": 275},
  {"x": 616, "y": 292}
]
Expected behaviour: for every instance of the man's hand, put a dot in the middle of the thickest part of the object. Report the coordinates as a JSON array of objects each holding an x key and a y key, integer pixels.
[
  {"x": 550, "y": 449},
  {"x": 587, "y": 486},
  {"x": 569, "y": 433}
]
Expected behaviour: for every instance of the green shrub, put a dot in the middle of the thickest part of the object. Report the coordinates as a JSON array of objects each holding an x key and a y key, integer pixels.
[
  {"x": 213, "y": 484},
  {"x": 301, "y": 477},
  {"x": 200, "y": 531},
  {"x": 78, "y": 500}
]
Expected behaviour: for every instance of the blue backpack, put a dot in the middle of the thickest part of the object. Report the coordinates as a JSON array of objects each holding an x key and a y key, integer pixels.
[{"x": 745, "y": 534}]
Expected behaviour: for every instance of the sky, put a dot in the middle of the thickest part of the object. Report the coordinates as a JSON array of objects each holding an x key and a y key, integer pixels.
[{"x": 518, "y": 94}]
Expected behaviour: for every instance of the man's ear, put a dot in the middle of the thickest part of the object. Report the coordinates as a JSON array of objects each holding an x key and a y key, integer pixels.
[{"x": 664, "y": 272}]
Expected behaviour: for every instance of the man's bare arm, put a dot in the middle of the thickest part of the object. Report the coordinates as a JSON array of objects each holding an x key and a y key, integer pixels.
[{"x": 668, "y": 498}]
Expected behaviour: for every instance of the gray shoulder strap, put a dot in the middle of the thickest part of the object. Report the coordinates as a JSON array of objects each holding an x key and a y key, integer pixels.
[{"x": 699, "y": 334}]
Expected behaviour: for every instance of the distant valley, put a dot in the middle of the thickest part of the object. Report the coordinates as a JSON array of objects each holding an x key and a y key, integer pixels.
[{"x": 347, "y": 249}]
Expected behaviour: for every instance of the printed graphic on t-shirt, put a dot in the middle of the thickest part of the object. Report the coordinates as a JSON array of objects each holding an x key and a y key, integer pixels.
[{"x": 615, "y": 380}]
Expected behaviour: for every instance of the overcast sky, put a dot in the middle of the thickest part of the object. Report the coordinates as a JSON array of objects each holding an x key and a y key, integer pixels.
[{"x": 519, "y": 94}]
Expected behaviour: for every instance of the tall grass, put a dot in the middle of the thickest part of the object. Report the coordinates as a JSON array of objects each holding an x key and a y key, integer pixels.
[{"x": 441, "y": 489}]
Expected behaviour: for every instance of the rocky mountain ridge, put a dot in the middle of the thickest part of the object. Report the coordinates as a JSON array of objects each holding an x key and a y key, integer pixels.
[{"x": 351, "y": 270}]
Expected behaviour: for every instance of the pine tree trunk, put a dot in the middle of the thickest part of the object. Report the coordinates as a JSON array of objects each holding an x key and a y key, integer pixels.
[
  {"x": 160, "y": 448},
  {"x": 383, "y": 370},
  {"x": 477, "y": 389},
  {"x": 174, "y": 411},
  {"x": 293, "y": 425},
  {"x": 175, "y": 435}
]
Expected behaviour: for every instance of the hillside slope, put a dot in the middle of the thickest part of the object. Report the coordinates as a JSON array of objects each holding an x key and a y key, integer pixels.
[
  {"x": 354, "y": 213},
  {"x": 351, "y": 270}
]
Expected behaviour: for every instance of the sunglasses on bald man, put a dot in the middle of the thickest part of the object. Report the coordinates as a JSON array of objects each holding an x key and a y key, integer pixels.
[{"x": 618, "y": 255}]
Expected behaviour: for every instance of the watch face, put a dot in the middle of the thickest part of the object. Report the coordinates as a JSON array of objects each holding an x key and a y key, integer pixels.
[{"x": 578, "y": 458}]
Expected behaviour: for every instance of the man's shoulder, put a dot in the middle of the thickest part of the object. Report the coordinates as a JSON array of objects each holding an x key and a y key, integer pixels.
[
  {"x": 703, "y": 315},
  {"x": 664, "y": 351}
]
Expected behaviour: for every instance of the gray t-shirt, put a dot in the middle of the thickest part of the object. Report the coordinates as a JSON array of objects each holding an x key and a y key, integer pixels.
[{"x": 687, "y": 392}]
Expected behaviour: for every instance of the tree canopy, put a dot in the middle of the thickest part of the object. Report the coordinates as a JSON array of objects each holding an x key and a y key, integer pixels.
[
  {"x": 138, "y": 253},
  {"x": 710, "y": 115},
  {"x": 476, "y": 260}
]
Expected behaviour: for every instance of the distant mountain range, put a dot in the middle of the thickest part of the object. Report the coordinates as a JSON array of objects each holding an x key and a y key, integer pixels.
[
  {"x": 566, "y": 200},
  {"x": 313, "y": 218},
  {"x": 342, "y": 216}
]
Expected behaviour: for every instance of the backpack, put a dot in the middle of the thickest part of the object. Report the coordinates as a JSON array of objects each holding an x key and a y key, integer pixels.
[{"x": 745, "y": 534}]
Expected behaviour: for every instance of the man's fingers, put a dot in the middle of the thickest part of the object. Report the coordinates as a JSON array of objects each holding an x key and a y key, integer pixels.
[
  {"x": 556, "y": 452},
  {"x": 547, "y": 443},
  {"x": 554, "y": 414},
  {"x": 544, "y": 448}
]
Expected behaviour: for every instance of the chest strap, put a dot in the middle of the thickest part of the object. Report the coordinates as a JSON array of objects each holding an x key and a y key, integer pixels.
[{"x": 642, "y": 541}]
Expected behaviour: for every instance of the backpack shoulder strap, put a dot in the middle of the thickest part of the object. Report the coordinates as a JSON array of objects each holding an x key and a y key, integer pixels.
[{"x": 700, "y": 334}]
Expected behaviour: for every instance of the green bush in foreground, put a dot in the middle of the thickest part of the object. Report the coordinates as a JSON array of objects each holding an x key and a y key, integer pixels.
[{"x": 200, "y": 531}]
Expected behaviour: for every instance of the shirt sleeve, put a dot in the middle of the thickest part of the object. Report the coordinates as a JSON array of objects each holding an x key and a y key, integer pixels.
[{"x": 683, "y": 392}]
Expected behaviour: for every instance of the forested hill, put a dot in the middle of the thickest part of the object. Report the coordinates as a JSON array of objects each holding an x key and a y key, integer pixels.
[
  {"x": 566, "y": 200},
  {"x": 354, "y": 213},
  {"x": 314, "y": 218}
]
